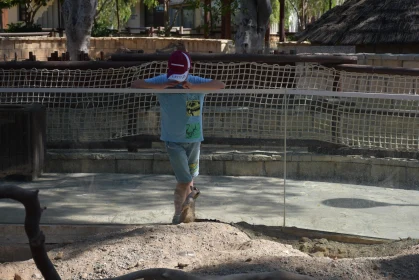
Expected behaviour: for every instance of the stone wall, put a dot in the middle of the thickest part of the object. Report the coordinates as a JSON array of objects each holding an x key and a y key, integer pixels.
[
  {"x": 384, "y": 172},
  {"x": 300, "y": 48},
  {"x": 389, "y": 60},
  {"x": 42, "y": 47},
  {"x": 386, "y": 59}
]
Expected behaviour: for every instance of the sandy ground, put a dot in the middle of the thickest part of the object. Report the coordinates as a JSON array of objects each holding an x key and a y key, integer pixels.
[{"x": 218, "y": 249}]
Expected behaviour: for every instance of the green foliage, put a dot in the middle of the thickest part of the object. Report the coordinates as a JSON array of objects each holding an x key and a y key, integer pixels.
[
  {"x": 150, "y": 4},
  {"x": 100, "y": 30},
  {"x": 217, "y": 10},
  {"x": 31, "y": 7},
  {"x": 106, "y": 12},
  {"x": 311, "y": 7},
  {"x": 290, "y": 38},
  {"x": 274, "y": 18},
  {"x": 306, "y": 9},
  {"x": 5, "y": 4},
  {"x": 22, "y": 27}
]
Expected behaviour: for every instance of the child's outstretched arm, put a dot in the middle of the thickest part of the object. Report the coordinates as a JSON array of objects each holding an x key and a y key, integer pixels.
[
  {"x": 213, "y": 84},
  {"x": 146, "y": 85}
]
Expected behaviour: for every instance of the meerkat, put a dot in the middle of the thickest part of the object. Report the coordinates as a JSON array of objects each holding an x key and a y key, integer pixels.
[{"x": 188, "y": 206}]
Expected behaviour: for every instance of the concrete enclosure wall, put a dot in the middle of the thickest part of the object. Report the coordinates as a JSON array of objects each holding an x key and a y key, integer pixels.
[{"x": 384, "y": 172}]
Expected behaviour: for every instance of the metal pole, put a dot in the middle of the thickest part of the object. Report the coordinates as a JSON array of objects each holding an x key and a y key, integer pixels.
[{"x": 285, "y": 152}]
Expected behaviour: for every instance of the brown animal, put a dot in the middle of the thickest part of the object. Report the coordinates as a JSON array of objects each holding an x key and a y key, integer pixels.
[{"x": 188, "y": 206}]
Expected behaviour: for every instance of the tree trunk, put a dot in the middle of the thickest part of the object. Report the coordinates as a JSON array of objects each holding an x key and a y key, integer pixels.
[
  {"x": 226, "y": 19},
  {"x": 1, "y": 19},
  {"x": 207, "y": 18},
  {"x": 252, "y": 25},
  {"x": 167, "y": 27},
  {"x": 267, "y": 37},
  {"x": 78, "y": 19},
  {"x": 282, "y": 20},
  {"x": 118, "y": 24}
]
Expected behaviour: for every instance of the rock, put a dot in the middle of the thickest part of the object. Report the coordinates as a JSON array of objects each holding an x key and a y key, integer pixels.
[
  {"x": 59, "y": 255},
  {"x": 342, "y": 251},
  {"x": 305, "y": 247},
  {"x": 84, "y": 276},
  {"x": 319, "y": 248},
  {"x": 317, "y": 255},
  {"x": 36, "y": 276},
  {"x": 322, "y": 241},
  {"x": 299, "y": 269},
  {"x": 305, "y": 239},
  {"x": 248, "y": 260},
  {"x": 182, "y": 265}
]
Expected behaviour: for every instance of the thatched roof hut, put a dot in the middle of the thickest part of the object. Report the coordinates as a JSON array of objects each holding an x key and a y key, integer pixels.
[{"x": 372, "y": 25}]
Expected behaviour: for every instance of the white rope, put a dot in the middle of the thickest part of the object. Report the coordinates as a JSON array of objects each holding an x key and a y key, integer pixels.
[
  {"x": 354, "y": 109},
  {"x": 320, "y": 93}
]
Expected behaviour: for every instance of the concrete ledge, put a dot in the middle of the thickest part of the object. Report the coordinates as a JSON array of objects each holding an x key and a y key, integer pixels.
[{"x": 386, "y": 172}]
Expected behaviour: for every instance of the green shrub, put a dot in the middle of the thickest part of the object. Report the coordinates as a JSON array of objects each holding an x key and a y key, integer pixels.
[
  {"x": 291, "y": 38},
  {"x": 21, "y": 27},
  {"x": 100, "y": 30}
]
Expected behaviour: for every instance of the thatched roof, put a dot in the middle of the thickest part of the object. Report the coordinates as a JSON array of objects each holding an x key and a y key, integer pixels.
[{"x": 366, "y": 22}]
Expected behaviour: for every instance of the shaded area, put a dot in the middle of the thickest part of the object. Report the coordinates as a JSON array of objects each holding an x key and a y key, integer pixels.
[
  {"x": 332, "y": 245},
  {"x": 139, "y": 199},
  {"x": 358, "y": 203},
  {"x": 401, "y": 267}
]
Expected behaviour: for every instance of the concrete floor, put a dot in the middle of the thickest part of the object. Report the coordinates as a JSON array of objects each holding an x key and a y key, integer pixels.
[{"x": 86, "y": 198}]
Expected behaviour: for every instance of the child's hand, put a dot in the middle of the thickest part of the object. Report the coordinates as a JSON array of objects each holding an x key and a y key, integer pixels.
[
  {"x": 188, "y": 85},
  {"x": 170, "y": 84}
]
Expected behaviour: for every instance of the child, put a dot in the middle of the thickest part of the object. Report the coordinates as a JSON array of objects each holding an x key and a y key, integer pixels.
[{"x": 181, "y": 121}]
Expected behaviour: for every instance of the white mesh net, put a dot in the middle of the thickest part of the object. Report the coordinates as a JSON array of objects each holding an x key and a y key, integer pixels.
[{"x": 321, "y": 103}]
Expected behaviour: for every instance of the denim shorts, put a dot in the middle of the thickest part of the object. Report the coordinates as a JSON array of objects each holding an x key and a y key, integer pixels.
[{"x": 184, "y": 158}]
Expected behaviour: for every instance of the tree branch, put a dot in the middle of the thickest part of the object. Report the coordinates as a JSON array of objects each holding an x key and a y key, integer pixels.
[
  {"x": 99, "y": 10},
  {"x": 33, "y": 210}
]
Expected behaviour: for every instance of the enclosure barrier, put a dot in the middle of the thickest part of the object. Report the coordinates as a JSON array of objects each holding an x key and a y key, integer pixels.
[
  {"x": 352, "y": 119},
  {"x": 96, "y": 105}
]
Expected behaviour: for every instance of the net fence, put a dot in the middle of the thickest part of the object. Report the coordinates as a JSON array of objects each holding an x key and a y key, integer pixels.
[{"x": 261, "y": 101}]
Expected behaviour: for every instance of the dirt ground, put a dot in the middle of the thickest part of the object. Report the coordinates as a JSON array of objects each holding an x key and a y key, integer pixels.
[{"x": 210, "y": 248}]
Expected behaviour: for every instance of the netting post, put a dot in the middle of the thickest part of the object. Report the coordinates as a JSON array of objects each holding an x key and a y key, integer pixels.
[
  {"x": 335, "y": 113},
  {"x": 285, "y": 151}
]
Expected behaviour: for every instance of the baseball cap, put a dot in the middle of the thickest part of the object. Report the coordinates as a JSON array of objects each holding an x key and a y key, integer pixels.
[{"x": 179, "y": 65}]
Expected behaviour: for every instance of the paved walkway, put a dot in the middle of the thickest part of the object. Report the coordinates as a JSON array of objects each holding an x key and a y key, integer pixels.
[{"x": 83, "y": 198}]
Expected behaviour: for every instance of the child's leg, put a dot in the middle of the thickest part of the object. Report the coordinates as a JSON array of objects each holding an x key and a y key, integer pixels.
[
  {"x": 179, "y": 162},
  {"x": 192, "y": 152}
]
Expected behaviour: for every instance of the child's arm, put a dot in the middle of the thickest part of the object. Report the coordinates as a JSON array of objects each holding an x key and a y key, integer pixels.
[
  {"x": 146, "y": 85},
  {"x": 213, "y": 84}
]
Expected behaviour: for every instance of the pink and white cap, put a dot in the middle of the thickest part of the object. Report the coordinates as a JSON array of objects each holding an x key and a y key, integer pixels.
[{"x": 179, "y": 64}]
